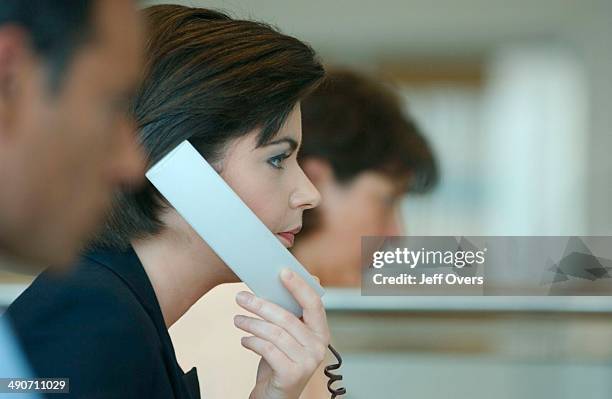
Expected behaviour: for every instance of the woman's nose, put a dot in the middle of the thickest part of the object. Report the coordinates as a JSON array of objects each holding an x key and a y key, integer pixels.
[{"x": 306, "y": 195}]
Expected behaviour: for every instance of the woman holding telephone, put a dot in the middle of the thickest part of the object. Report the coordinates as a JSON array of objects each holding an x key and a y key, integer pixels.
[{"x": 233, "y": 89}]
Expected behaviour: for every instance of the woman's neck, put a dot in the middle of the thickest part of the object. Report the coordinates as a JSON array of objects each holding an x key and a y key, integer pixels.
[{"x": 179, "y": 277}]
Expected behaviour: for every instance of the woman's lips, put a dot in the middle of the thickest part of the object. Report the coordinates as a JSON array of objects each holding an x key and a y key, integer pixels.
[{"x": 287, "y": 238}]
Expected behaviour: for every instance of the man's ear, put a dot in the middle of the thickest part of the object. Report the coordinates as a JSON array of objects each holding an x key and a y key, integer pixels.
[
  {"x": 13, "y": 53},
  {"x": 318, "y": 170}
]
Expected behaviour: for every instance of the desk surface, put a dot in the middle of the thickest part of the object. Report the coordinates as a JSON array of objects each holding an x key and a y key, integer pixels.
[
  {"x": 341, "y": 299},
  {"x": 351, "y": 300}
]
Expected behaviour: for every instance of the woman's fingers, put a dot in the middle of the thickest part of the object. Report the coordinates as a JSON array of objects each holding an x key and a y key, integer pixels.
[
  {"x": 276, "y": 315},
  {"x": 277, "y": 359},
  {"x": 312, "y": 334},
  {"x": 293, "y": 348},
  {"x": 313, "y": 310},
  {"x": 272, "y": 333}
]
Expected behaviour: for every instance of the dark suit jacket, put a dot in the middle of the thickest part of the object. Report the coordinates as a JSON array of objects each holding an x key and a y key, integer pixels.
[{"x": 100, "y": 325}]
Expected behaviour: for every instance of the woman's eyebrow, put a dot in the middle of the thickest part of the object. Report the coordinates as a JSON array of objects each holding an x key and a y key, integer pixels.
[{"x": 292, "y": 143}]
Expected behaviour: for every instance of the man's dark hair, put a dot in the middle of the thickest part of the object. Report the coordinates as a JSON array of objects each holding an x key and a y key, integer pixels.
[
  {"x": 357, "y": 124},
  {"x": 55, "y": 28},
  {"x": 209, "y": 79}
]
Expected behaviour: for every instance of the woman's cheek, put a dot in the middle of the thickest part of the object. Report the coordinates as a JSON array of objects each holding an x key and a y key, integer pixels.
[
  {"x": 265, "y": 209},
  {"x": 249, "y": 192}
]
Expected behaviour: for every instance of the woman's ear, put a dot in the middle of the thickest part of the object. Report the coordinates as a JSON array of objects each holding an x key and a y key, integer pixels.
[{"x": 318, "y": 170}]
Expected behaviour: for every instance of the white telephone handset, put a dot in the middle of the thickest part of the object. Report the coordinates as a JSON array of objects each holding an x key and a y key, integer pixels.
[{"x": 227, "y": 225}]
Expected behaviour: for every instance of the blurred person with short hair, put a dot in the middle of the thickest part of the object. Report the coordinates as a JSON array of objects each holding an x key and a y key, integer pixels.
[
  {"x": 67, "y": 72},
  {"x": 364, "y": 154}
]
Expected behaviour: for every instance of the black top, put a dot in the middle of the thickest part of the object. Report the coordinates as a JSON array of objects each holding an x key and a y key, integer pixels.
[{"x": 101, "y": 326}]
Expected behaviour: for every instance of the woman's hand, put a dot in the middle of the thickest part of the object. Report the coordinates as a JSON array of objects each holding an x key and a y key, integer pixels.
[{"x": 291, "y": 349}]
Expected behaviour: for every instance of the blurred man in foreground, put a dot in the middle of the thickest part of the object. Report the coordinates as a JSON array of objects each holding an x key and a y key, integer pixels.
[{"x": 67, "y": 73}]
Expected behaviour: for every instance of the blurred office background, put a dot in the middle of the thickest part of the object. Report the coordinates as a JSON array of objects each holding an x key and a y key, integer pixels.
[{"x": 516, "y": 99}]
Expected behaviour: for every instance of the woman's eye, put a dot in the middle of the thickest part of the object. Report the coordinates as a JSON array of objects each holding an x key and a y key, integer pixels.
[{"x": 277, "y": 161}]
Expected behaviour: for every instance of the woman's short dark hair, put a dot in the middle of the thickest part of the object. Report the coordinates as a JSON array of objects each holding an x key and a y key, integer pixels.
[
  {"x": 208, "y": 78},
  {"x": 357, "y": 124}
]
